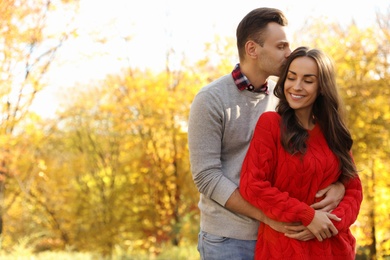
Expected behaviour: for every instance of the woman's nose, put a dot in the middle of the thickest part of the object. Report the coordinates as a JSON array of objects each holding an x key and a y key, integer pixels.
[{"x": 297, "y": 85}]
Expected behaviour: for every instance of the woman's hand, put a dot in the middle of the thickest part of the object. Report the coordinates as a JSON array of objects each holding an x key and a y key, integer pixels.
[{"x": 321, "y": 226}]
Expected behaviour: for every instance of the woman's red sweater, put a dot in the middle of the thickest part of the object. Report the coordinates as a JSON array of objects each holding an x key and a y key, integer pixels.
[{"x": 284, "y": 185}]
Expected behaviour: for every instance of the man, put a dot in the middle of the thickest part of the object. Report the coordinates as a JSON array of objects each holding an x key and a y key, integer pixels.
[{"x": 222, "y": 120}]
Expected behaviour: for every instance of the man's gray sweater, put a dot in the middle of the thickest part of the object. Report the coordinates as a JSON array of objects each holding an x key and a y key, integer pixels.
[{"x": 221, "y": 125}]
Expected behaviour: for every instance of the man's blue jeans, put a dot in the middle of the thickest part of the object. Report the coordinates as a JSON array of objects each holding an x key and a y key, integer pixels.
[{"x": 213, "y": 247}]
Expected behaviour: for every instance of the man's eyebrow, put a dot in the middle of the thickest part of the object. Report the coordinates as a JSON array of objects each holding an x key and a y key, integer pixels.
[{"x": 284, "y": 42}]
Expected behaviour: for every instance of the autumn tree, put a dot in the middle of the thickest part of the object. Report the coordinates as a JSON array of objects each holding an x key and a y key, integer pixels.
[
  {"x": 121, "y": 143},
  {"x": 156, "y": 109},
  {"x": 112, "y": 171},
  {"x": 27, "y": 49},
  {"x": 361, "y": 57}
]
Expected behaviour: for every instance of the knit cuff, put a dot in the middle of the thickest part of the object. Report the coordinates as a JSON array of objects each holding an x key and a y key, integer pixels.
[{"x": 307, "y": 216}]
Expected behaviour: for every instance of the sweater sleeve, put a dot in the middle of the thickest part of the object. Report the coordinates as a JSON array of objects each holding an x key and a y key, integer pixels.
[
  {"x": 205, "y": 130},
  {"x": 258, "y": 170},
  {"x": 348, "y": 209}
]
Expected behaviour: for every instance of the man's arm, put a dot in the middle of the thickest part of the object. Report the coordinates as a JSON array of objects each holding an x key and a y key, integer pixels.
[
  {"x": 238, "y": 204},
  {"x": 334, "y": 193}
]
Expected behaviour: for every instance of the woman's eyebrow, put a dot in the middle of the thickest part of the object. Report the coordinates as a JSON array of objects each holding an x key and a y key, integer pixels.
[
  {"x": 310, "y": 75},
  {"x": 306, "y": 75}
]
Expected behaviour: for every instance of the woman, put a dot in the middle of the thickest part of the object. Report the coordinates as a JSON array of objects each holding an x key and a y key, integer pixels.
[{"x": 301, "y": 148}]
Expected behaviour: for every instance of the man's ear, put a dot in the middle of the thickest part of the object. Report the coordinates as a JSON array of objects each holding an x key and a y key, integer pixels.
[{"x": 250, "y": 49}]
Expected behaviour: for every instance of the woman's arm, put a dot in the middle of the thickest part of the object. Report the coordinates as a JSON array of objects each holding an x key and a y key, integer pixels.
[
  {"x": 258, "y": 169},
  {"x": 347, "y": 212},
  {"x": 343, "y": 216},
  {"x": 333, "y": 194}
]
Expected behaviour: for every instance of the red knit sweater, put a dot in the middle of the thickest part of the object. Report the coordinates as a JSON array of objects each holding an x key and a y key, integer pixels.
[{"x": 284, "y": 185}]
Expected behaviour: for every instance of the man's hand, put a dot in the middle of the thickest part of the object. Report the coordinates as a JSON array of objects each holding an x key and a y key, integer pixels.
[
  {"x": 299, "y": 232},
  {"x": 334, "y": 193},
  {"x": 292, "y": 230},
  {"x": 275, "y": 225}
]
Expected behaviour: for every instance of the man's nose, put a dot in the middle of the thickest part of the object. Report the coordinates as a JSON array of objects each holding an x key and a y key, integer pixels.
[{"x": 288, "y": 52}]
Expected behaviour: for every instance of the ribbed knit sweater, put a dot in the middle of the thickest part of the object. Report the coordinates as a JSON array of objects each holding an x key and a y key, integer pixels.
[
  {"x": 221, "y": 124},
  {"x": 284, "y": 185}
]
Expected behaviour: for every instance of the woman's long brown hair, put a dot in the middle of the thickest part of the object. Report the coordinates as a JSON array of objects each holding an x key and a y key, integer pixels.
[{"x": 327, "y": 112}]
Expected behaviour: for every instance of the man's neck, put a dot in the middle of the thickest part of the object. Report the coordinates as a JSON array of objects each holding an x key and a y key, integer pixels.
[{"x": 256, "y": 78}]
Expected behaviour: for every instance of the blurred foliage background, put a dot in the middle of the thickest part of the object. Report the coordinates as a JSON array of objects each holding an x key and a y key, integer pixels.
[{"x": 108, "y": 175}]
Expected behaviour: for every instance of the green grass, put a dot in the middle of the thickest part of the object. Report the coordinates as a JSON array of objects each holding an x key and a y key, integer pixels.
[{"x": 168, "y": 253}]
